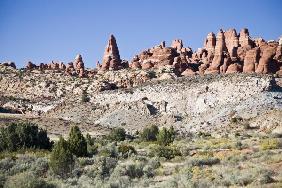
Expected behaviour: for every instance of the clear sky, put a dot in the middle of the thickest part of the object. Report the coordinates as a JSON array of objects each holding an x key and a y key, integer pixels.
[{"x": 45, "y": 30}]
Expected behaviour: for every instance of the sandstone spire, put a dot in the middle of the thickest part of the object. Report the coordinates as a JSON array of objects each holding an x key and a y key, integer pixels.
[
  {"x": 244, "y": 39},
  {"x": 231, "y": 41},
  {"x": 210, "y": 42},
  {"x": 177, "y": 44},
  {"x": 111, "y": 59}
]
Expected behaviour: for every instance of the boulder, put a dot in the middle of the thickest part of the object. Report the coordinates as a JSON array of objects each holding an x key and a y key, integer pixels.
[
  {"x": 188, "y": 72},
  {"x": 234, "y": 68}
]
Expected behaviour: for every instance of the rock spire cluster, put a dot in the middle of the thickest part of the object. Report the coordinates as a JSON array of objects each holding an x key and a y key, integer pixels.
[{"x": 223, "y": 53}]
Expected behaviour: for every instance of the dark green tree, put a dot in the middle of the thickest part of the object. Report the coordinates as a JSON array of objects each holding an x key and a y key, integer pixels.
[
  {"x": 149, "y": 133},
  {"x": 77, "y": 142},
  {"x": 61, "y": 159}
]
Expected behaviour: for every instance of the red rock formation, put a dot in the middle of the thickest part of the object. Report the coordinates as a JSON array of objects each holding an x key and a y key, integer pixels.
[
  {"x": 111, "y": 58},
  {"x": 234, "y": 68},
  {"x": 62, "y": 66},
  {"x": 79, "y": 65},
  {"x": 226, "y": 53},
  {"x": 30, "y": 65},
  {"x": 232, "y": 42},
  {"x": 218, "y": 56},
  {"x": 9, "y": 64},
  {"x": 177, "y": 44},
  {"x": 210, "y": 42},
  {"x": 244, "y": 38},
  {"x": 268, "y": 52},
  {"x": 69, "y": 69},
  {"x": 188, "y": 72},
  {"x": 147, "y": 65},
  {"x": 135, "y": 64},
  {"x": 226, "y": 63},
  {"x": 251, "y": 60}
]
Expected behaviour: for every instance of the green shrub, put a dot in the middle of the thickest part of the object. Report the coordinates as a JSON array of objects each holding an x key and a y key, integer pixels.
[
  {"x": 204, "y": 161},
  {"x": 117, "y": 134},
  {"x": 270, "y": 143},
  {"x": 134, "y": 170},
  {"x": 166, "y": 152},
  {"x": 17, "y": 136},
  {"x": 26, "y": 180},
  {"x": 92, "y": 148},
  {"x": 84, "y": 97},
  {"x": 77, "y": 142},
  {"x": 126, "y": 150},
  {"x": 166, "y": 137},
  {"x": 109, "y": 150},
  {"x": 102, "y": 167},
  {"x": 149, "y": 133},
  {"x": 61, "y": 158}
]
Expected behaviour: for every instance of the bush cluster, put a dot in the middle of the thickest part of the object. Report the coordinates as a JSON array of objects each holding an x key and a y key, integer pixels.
[
  {"x": 167, "y": 152},
  {"x": 163, "y": 137}
]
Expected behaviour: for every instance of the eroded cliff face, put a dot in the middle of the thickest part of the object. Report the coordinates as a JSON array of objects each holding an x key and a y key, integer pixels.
[{"x": 193, "y": 104}]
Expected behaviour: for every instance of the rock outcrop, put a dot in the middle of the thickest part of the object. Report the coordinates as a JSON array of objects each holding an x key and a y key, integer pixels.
[
  {"x": 9, "y": 64},
  {"x": 79, "y": 65},
  {"x": 251, "y": 60}
]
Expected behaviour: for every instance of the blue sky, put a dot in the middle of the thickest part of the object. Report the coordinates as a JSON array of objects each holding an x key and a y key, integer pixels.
[{"x": 45, "y": 30}]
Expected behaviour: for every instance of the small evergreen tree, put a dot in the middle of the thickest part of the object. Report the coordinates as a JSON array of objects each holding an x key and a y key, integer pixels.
[
  {"x": 117, "y": 134},
  {"x": 166, "y": 136},
  {"x": 61, "y": 158},
  {"x": 77, "y": 142},
  {"x": 149, "y": 133}
]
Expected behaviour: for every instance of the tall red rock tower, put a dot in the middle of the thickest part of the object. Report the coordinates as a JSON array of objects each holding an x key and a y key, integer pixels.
[{"x": 111, "y": 59}]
